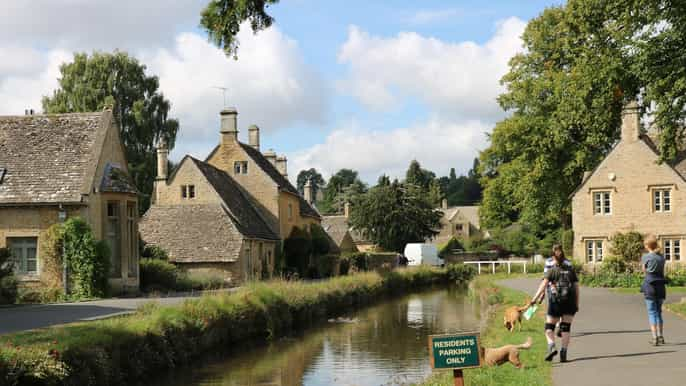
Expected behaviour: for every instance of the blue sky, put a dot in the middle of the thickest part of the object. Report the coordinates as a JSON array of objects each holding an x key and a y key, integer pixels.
[{"x": 368, "y": 85}]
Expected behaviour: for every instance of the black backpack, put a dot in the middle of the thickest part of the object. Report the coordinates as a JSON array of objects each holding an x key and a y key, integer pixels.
[{"x": 563, "y": 284}]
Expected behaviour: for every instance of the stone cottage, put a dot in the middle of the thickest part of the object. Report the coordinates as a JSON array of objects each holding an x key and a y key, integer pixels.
[
  {"x": 53, "y": 167},
  {"x": 263, "y": 176},
  {"x": 630, "y": 191},
  {"x": 205, "y": 221},
  {"x": 460, "y": 222}
]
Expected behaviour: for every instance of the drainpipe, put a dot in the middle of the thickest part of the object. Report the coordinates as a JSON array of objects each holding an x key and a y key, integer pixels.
[{"x": 62, "y": 216}]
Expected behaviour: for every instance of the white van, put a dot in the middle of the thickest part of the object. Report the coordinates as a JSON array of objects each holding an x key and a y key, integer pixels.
[{"x": 418, "y": 253}]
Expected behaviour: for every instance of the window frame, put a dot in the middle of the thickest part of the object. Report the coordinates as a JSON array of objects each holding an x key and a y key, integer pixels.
[
  {"x": 672, "y": 249},
  {"x": 659, "y": 200},
  {"x": 113, "y": 223},
  {"x": 184, "y": 192},
  {"x": 21, "y": 262},
  {"x": 132, "y": 230},
  {"x": 594, "y": 250},
  {"x": 602, "y": 202}
]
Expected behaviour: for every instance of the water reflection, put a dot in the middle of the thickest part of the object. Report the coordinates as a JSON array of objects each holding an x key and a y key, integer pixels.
[{"x": 381, "y": 345}]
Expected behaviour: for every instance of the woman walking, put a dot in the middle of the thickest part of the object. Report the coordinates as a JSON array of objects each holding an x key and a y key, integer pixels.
[
  {"x": 561, "y": 285},
  {"x": 653, "y": 288}
]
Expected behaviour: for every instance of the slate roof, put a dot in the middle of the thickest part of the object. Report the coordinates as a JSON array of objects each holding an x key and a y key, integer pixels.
[
  {"x": 116, "y": 180},
  {"x": 471, "y": 213},
  {"x": 282, "y": 182},
  {"x": 336, "y": 226},
  {"x": 48, "y": 158},
  {"x": 206, "y": 232}
]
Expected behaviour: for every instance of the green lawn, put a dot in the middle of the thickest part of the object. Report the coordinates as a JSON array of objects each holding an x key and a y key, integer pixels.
[
  {"x": 636, "y": 290},
  {"x": 677, "y": 308},
  {"x": 535, "y": 372}
]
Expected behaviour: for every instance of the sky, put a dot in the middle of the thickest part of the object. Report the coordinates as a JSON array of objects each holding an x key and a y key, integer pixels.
[{"x": 367, "y": 85}]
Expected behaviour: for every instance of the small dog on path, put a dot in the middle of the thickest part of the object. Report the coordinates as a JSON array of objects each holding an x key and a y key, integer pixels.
[
  {"x": 513, "y": 315},
  {"x": 509, "y": 353}
]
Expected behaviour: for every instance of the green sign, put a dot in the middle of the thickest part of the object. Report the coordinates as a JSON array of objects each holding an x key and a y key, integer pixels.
[{"x": 455, "y": 351}]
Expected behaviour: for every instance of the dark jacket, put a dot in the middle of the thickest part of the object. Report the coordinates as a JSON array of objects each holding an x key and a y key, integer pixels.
[{"x": 653, "y": 286}]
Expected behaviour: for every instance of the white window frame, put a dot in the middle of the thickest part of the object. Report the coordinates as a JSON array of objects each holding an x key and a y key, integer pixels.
[
  {"x": 21, "y": 262},
  {"x": 240, "y": 167},
  {"x": 672, "y": 249},
  {"x": 662, "y": 200},
  {"x": 602, "y": 203},
  {"x": 594, "y": 250}
]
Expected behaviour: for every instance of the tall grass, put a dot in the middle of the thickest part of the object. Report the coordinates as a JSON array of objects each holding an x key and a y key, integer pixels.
[{"x": 129, "y": 349}]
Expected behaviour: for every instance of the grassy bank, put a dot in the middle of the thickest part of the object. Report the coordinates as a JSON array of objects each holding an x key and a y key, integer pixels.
[
  {"x": 637, "y": 290},
  {"x": 535, "y": 372},
  {"x": 129, "y": 349},
  {"x": 677, "y": 308}
]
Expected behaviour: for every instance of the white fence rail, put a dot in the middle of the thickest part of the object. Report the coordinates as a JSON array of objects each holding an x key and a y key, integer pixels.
[{"x": 499, "y": 262}]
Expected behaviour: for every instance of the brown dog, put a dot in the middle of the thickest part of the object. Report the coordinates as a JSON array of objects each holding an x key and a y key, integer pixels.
[
  {"x": 509, "y": 353},
  {"x": 513, "y": 315}
]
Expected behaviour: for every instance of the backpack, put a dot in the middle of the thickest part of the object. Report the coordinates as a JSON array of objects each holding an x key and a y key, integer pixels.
[{"x": 563, "y": 286}]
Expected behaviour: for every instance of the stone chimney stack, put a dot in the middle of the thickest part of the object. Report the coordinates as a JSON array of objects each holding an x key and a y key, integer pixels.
[
  {"x": 229, "y": 125},
  {"x": 308, "y": 191},
  {"x": 346, "y": 210},
  {"x": 631, "y": 122},
  {"x": 281, "y": 165},
  {"x": 270, "y": 155},
  {"x": 162, "y": 157},
  {"x": 254, "y": 137},
  {"x": 444, "y": 203}
]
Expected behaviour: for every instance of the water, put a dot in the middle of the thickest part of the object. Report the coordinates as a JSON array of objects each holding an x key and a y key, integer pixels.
[{"x": 380, "y": 345}]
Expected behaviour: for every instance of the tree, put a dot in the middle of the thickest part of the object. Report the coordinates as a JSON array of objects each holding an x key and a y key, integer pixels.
[
  {"x": 90, "y": 83},
  {"x": 222, "y": 19},
  {"x": 337, "y": 191},
  {"x": 383, "y": 180},
  {"x": 393, "y": 215},
  {"x": 417, "y": 176},
  {"x": 435, "y": 194},
  {"x": 315, "y": 178}
]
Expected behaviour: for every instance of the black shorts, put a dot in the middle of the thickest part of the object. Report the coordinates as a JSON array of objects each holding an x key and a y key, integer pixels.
[{"x": 556, "y": 310}]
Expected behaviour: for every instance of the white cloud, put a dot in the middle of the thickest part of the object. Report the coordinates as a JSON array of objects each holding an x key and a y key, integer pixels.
[
  {"x": 454, "y": 78},
  {"x": 432, "y": 16},
  {"x": 437, "y": 144}
]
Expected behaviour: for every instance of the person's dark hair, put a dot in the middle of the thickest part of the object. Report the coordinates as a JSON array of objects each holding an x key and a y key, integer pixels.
[{"x": 558, "y": 247}]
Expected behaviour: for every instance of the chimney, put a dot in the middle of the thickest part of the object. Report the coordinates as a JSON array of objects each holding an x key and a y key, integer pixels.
[
  {"x": 281, "y": 165},
  {"x": 444, "y": 203},
  {"x": 162, "y": 156},
  {"x": 307, "y": 191},
  {"x": 254, "y": 137},
  {"x": 631, "y": 122},
  {"x": 229, "y": 127},
  {"x": 270, "y": 155},
  {"x": 346, "y": 210}
]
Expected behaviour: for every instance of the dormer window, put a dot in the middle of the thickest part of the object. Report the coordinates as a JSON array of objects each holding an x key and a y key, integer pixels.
[
  {"x": 240, "y": 167},
  {"x": 187, "y": 191}
]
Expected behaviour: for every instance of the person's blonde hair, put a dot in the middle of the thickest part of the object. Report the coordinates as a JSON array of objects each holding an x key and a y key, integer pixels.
[{"x": 650, "y": 242}]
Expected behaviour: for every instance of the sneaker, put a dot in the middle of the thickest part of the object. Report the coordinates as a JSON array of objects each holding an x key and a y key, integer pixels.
[
  {"x": 661, "y": 339},
  {"x": 563, "y": 355},
  {"x": 551, "y": 353},
  {"x": 654, "y": 341}
]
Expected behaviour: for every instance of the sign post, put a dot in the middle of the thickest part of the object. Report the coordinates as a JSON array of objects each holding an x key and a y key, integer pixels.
[{"x": 455, "y": 352}]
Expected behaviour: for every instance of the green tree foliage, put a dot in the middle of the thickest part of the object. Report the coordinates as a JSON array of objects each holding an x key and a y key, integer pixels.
[
  {"x": 394, "y": 215},
  {"x": 627, "y": 246},
  {"x": 582, "y": 63},
  {"x": 320, "y": 240},
  {"x": 90, "y": 83},
  {"x": 434, "y": 193},
  {"x": 88, "y": 260},
  {"x": 383, "y": 180},
  {"x": 452, "y": 245},
  {"x": 8, "y": 282},
  {"x": 297, "y": 249},
  {"x": 315, "y": 178},
  {"x": 462, "y": 190},
  {"x": 416, "y": 175},
  {"x": 344, "y": 186},
  {"x": 222, "y": 19}
]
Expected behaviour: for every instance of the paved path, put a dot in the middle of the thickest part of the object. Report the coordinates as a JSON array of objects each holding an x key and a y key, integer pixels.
[
  {"x": 28, "y": 317},
  {"x": 610, "y": 346}
]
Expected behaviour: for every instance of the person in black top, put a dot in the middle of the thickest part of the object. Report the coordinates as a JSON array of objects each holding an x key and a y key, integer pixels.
[
  {"x": 561, "y": 286},
  {"x": 653, "y": 288}
]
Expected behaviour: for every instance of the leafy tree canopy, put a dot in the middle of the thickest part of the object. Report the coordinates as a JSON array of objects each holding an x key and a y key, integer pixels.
[
  {"x": 582, "y": 63},
  {"x": 343, "y": 187},
  {"x": 394, "y": 215},
  {"x": 222, "y": 20},
  {"x": 315, "y": 178},
  {"x": 417, "y": 176},
  {"x": 117, "y": 80}
]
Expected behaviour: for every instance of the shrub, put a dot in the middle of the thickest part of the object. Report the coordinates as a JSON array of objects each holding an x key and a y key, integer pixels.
[
  {"x": 51, "y": 257},
  {"x": 677, "y": 278},
  {"x": 450, "y": 246},
  {"x": 157, "y": 274},
  {"x": 344, "y": 265},
  {"x": 154, "y": 252},
  {"x": 202, "y": 281},
  {"x": 627, "y": 246},
  {"x": 297, "y": 249},
  {"x": 88, "y": 260},
  {"x": 614, "y": 264},
  {"x": 320, "y": 240},
  {"x": 325, "y": 265},
  {"x": 359, "y": 261},
  {"x": 612, "y": 279},
  {"x": 8, "y": 282},
  {"x": 460, "y": 273},
  {"x": 567, "y": 237}
]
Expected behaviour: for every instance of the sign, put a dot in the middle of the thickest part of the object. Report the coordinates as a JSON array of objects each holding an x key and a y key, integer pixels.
[{"x": 455, "y": 351}]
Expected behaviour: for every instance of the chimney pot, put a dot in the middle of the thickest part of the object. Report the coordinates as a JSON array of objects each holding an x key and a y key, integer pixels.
[
  {"x": 444, "y": 203},
  {"x": 281, "y": 165},
  {"x": 254, "y": 137},
  {"x": 631, "y": 122},
  {"x": 346, "y": 210},
  {"x": 162, "y": 156},
  {"x": 307, "y": 191},
  {"x": 229, "y": 126},
  {"x": 270, "y": 155}
]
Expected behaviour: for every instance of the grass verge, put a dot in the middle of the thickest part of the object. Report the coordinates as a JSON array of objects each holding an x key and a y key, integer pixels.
[
  {"x": 637, "y": 290},
  {"x": 128, "y": 350},
  {"x": 677, "y": 308},
  {"x": 535, "y": 372}
]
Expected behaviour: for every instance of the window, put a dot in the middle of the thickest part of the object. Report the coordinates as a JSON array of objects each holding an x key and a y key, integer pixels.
[
  {"x": 662, "y": 200},
  {"x": 594, "y": 251},
  {"x": 672, "y": 249},
  {"x": 24, "y": 254},
  {"x": 290, "y": 211},
  {"x": 602, "y": 203},
  {"x": 132, "y": 234},
  {"x": 113, "y": 234},
  {"x": 187, "y": 191},
  {"x": 240, "y": 167}
]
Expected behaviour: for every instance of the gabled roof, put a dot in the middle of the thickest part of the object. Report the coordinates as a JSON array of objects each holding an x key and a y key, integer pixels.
[
  {"x": 48, "y": 159},
  {"x": 336, "y": 226},
  {"x": 471, "y": 213},
  {"x": 282, "y": 182}
]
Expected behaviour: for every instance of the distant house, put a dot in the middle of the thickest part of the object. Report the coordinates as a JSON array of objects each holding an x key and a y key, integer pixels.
[
  {"x": 205, "y": 221},
  {"x": 57, "y": 166},
  {"x": 338, "y": 229},
  {"x": 460, "y": 222},
  {"x": 630, "y": 191}
]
